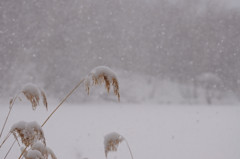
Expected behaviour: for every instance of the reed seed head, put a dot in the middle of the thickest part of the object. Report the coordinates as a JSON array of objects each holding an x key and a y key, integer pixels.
[
  {"x": 100, "y": 75},
  {"x": 28, "y": 132},
  {"x": 33, "y": 93},
  {"x": 112, "y": 141}
]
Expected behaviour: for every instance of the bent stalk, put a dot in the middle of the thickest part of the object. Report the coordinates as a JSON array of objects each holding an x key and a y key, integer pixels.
[
  {"x": 10, "y": 109},
  {"x": 56, "y": 110}
]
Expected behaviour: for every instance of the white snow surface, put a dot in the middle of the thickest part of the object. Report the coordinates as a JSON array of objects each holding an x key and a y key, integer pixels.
[{"x": 160, "y": 132}]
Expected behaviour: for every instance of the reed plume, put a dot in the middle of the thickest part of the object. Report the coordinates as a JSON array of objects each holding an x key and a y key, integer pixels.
[
  {"x": 33, "y": 93},
  {"x": 100, "y": 75},
  {"x": 111, "y": 142},
  {"x": 28, "y": 132}
]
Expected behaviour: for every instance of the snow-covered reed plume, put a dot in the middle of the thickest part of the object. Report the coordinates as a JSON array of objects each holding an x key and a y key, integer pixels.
[
  {"x": 98, "y": 75},
  {"x": 38, "y": 150},
  {"x": 33, "y": 93},
  {"x": 112, "y": 141},
  {"x": 103, "y": 74},
  {"x": 32, "y": 154},
  {"x": 32, "y": 137},
  {"x": 28, "y": 132}
]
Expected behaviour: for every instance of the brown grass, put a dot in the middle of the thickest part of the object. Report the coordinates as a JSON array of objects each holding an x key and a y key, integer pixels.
[
  {"x": 112, "y": 141},
  {"x": 29, "y": 133},
  {"x": 44, "y": 98},
  {"x": 32, "y": 93},
  {"x": 103, "y": 78}
]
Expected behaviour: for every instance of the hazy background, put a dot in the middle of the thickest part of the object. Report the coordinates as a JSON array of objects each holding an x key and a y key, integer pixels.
[{"x": 179, "y": 51}]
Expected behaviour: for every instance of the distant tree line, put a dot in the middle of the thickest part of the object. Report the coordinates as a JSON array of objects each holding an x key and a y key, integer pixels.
[{"x": 54, "y": 42}]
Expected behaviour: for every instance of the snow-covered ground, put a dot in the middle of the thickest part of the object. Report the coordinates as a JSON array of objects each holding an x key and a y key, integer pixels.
[{"x": 152, "y": 131}]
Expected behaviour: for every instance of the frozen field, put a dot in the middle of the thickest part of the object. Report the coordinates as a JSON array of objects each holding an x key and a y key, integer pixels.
[{"x": 152, "y": 131}]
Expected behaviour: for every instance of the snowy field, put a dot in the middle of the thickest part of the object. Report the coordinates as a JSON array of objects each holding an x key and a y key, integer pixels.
[{"x": 152, "y": 131}]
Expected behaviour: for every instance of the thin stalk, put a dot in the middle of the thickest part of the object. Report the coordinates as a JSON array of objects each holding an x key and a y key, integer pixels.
[
  {"x": 129, "y": 148},
  {"x": 5, "y": 139},
  {"x": 63, "y": 101},
  {"x": 10, "y": 109},
  {"x": 10, "y": 149},
  {"x": 56, "y": 110},
  {"x": 5, "y": 122},
  {"x": 23, "y": 152}
]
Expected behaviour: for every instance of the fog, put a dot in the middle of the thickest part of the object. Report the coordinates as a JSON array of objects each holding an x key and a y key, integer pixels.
[{"x": 187, "y": 51}]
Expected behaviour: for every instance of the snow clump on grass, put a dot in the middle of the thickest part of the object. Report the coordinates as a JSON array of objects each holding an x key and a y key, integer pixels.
[
  {"x": 29, "y": 132},
  {"x": 103, "y": 74},
  {"x": 32, "y": 93},
  {"x": 111, "y": 142}
]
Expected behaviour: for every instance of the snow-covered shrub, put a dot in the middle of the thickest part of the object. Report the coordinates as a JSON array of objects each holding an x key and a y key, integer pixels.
[{"x": 212, "y": 85}]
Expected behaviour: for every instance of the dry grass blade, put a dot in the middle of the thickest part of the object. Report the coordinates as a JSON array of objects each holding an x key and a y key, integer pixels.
[
  {"x": 103, "y": 74},
  {"x": 44, "y": 98},
  {"x": 111, "y": 142}
]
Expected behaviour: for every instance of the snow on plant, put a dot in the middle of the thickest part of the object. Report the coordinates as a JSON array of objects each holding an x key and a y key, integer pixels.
[
  {"x": 103, "y": 74},
  {"x": 32, "y": 154},
  {"x": 40, "y": 150},
  {"x": 31, "y": 133},
  {"x": 28, "y": 132},
  {"x": 32, "y": 136},
  {"x": 112, "y": 141},
  {"x": 33, "y": 93},
  {"x": 98, "y": 75}
]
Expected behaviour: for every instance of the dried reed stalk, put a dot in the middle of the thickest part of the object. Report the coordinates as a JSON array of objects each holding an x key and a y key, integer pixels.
[
  {"x": 10, "y": 149},
  {"x": 12, "y": 101},
  {"x": 98, "y": 75}
]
